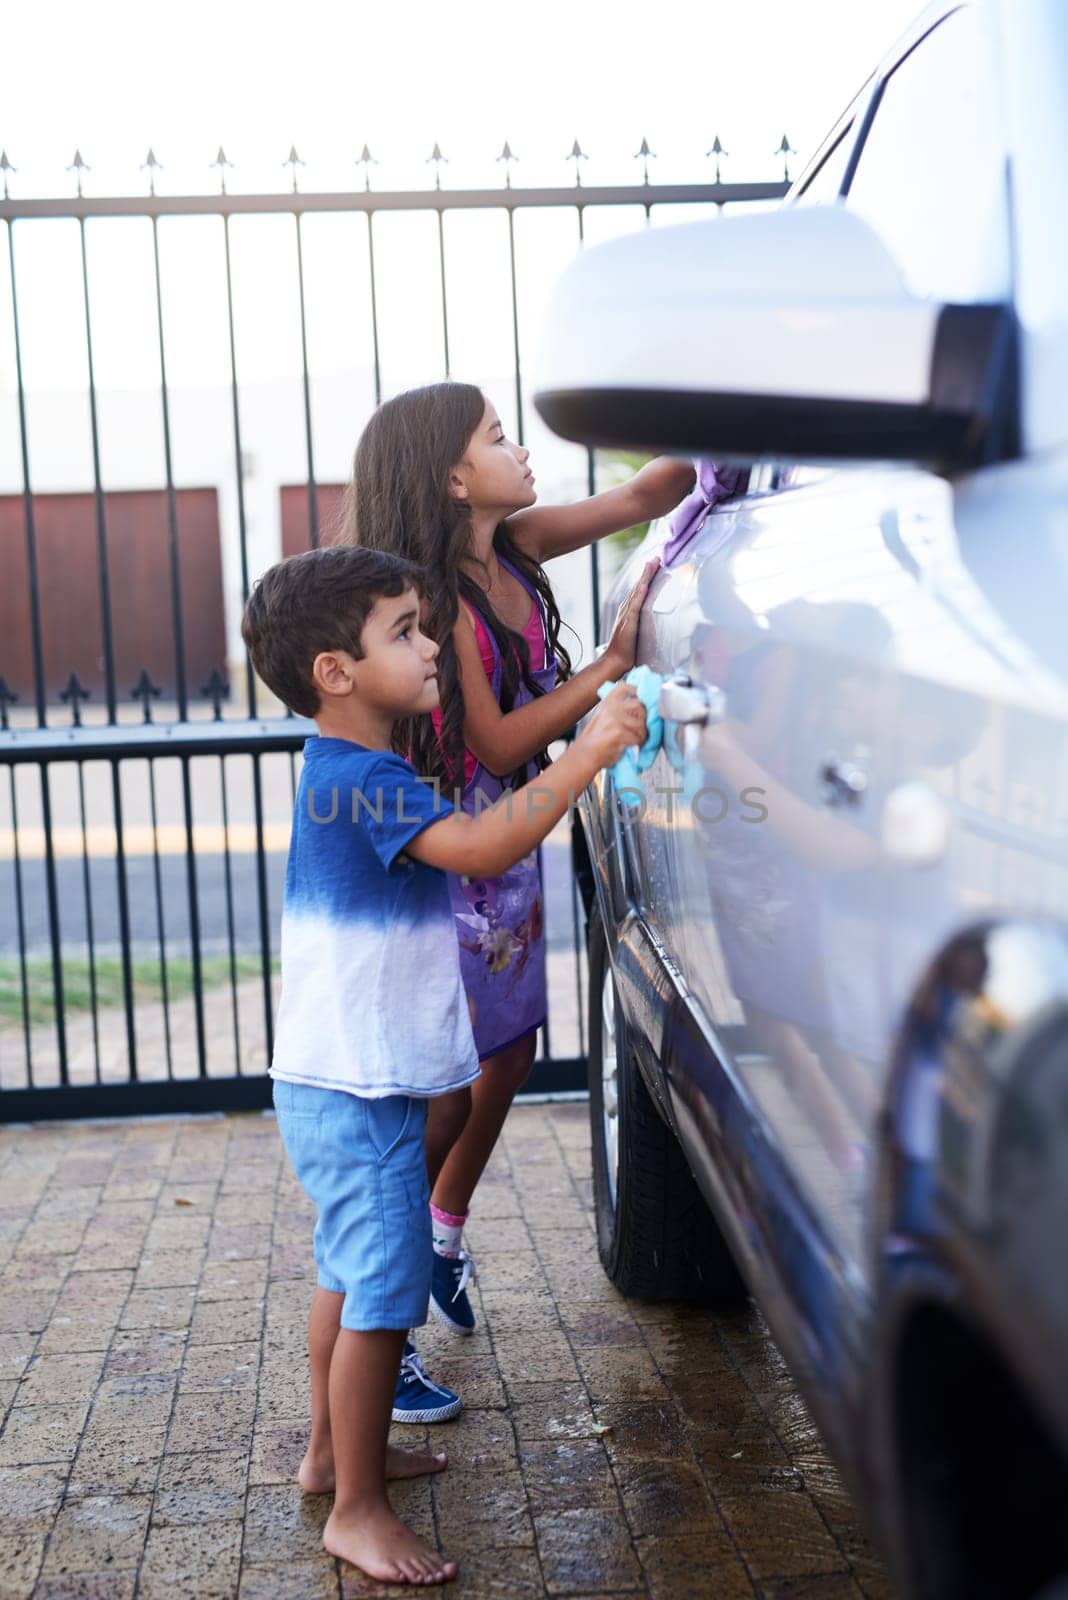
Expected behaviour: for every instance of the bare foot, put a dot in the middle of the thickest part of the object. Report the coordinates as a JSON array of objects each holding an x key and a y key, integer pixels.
[
  {"x": 376, "y": 1541},
  {"x": 316, "y": 1475}
]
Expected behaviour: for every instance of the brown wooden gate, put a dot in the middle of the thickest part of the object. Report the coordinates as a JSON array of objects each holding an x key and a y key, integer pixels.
[{"x": 139, "y": 586}]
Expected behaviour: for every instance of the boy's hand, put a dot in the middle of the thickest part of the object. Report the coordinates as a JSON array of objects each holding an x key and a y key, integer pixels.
[
  {"x": 617, "y": 723},
  {"x": 623, "y": 644}
]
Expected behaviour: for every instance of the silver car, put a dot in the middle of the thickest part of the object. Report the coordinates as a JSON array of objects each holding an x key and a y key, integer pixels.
[{"x": 829, "y": 922}]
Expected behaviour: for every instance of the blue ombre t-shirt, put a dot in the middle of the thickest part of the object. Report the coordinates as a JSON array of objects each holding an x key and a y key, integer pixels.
[{"x": 372, "y": 999}]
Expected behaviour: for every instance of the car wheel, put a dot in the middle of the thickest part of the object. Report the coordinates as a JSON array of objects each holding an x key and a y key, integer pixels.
[{"x": 655, "y": 1235}]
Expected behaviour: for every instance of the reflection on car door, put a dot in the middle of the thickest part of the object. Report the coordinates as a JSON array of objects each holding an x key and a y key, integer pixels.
[{"x": 775, "y": 902}]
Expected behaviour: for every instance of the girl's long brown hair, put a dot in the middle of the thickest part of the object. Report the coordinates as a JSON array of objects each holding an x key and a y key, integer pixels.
[{"x": 399, "y": 501}]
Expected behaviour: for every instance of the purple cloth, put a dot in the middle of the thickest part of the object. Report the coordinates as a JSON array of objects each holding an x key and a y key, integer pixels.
[{"x": 714, "y": 483}]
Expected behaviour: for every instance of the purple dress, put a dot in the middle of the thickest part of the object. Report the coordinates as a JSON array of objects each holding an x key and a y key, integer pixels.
[{"x": 500, "y": 922}]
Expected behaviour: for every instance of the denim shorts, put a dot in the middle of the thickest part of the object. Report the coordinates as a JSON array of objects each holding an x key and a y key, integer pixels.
[{"x": 363, "y": 1166}]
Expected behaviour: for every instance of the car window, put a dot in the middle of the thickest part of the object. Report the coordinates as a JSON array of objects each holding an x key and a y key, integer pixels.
[
  {"x": 931, "y": 175},
  {"x": 826, "y": 181}
]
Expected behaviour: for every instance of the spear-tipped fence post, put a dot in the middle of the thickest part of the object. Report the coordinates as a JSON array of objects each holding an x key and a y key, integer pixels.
[
  {"x": 718, "y": 152},
  {"x": 5, "y": 168},
  {"x": 366, "y": 160},
  {"x": 153, "y": 166},
  {"x": 222, "y": 164},
  {"x": 645, "y": 155},
  {"x": 437, "y": 158},
  {"x": 145, "y": 691},
  {"x": 8, "y": 697},
  {"x": 577, "y": 154},
  {"x": 294, "y": 161},
  {"x": 78, "y": 166},
  {"x": 507, "y": 157},
  {"x": 216, "y": 690},
  {"x": 73, "y": 695},
  {"x": 786, "y": 150}
]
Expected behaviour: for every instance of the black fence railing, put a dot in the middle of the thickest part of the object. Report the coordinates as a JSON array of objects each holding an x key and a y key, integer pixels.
[{"x": 143, "y": 821}]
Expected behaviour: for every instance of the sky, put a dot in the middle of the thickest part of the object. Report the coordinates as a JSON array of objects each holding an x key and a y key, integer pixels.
[{"x": 114, "y": 78}]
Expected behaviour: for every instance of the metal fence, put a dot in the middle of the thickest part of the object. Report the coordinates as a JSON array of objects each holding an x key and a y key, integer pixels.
[{"x": 143, "y": 834}]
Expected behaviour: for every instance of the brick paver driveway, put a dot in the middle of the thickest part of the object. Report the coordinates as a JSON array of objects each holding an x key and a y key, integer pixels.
[{"x": 153, "y": 1388}]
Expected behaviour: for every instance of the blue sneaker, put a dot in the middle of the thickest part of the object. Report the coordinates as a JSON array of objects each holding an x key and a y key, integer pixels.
[
  {"x": 448, "y": 1291},
  {"x": 416, "y": 1399}
]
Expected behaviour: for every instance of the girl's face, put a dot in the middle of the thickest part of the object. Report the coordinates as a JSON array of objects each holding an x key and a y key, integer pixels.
[{"x": 493, "y": 474}]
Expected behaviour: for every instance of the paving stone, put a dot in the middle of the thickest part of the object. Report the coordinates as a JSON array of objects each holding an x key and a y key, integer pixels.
[
  {"x": 782, "y": 1535},
  {"x": 79, "y": 1332},
  {"x": 21, "y": 1555},
  {"x": 143, "y": 1398},
  {"x": 21, "y": 1312},
  {"x": 590, "y": 1326},
  {"x": 165, "y": 1269},
  {"x": 297, "y": 1580},
  {"x": 206, "y": 1487},
  {"x": 29, "y": 1274},
  {"x": 233, "y": 1280},
  {"x": 221, "y": 1366},
  {"x": 106, "y": 1585},
  {"x": 36, "y": 1434},
  {"x": 277, "y": 1451},
  {"x": 144, "y": 1351},
  {"x": 240, "y": 1241},
  {"x": 683, "y": 1348},
  {"x": 29, "y": 1498},
  {"x": 15, "y": 1352},
  {"x": 621, "y": 1374},
  {"x": 740, "y": 1460},
  {"x": 99, "y": 1531},
  {"x": 643, "y": 1430},
  {"x": 117, "y": 1459},
  {"x": 226, "y": 1322},
  {"x": 487, "y": 1509},
  {"x": 203, "y": 1560},
  {"x": 481, "y": 1439},
  {"x": 281, "y": 1525},
  {"x": 59, "y": 1379},
  {"x": 212, "y": 1421},
  {"x": 585, "y": 1551},
  {"x": 665, "y": 1497},
  {"x": 565, "y": 1475},
  {"x": 699, "y": 1565},
  {"x": 545, "y": 1357},
  {"x": 89, "y": 1291},
  {"x": 158, "y": 1308},
  {"x": 567, "y": 1416},
  {"x": 838, "y": 1587}
]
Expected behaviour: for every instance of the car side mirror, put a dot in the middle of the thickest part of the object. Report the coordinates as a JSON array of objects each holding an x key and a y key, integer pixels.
[{"x": 787, "y": 334}]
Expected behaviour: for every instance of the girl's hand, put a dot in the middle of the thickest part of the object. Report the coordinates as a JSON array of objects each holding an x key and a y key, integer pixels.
[
  {"x": 616, "y": 724},
  {"x": 623, "y": 644}
]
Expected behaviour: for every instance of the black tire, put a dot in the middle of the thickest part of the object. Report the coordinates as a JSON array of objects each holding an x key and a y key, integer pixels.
[{"x": 655, "y": 1235}]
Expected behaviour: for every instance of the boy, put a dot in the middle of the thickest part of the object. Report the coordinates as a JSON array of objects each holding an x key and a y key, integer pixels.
[{"x": 373, "y": 1018}]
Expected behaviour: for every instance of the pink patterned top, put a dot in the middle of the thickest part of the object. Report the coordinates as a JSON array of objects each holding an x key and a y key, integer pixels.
[{"x": 533, "y": 633}]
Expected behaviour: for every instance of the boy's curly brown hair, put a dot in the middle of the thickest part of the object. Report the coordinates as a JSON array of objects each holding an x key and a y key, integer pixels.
[{"x": 317, "y": 601}]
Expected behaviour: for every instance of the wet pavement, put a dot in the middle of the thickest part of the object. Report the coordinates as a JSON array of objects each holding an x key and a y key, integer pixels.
[{"x": 153, "y": 1389}]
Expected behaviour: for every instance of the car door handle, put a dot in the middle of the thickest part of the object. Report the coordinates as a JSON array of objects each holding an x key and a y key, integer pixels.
[
  {"x": 691, "y": 704},
  {"x": 844, "y": 782}
]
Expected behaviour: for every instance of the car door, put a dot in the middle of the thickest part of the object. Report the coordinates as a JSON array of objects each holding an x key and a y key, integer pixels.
[
  {"x": 759, "y": 849},
  {"x": 796, "y": 613}
]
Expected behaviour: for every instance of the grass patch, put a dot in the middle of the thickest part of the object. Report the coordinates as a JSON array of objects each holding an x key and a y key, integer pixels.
[{"x": 77, "y": 984}]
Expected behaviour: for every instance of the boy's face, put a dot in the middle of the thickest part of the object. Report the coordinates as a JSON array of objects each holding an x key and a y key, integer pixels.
[{"x": 397, "y": 674}]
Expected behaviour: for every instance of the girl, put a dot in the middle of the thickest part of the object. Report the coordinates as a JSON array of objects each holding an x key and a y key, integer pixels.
[{"x": 436, "y": 480}]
